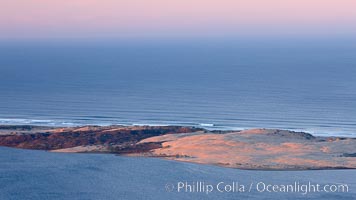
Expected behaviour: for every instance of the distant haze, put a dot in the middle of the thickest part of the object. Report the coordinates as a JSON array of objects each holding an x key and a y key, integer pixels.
[{"x": 174, "y": 18}]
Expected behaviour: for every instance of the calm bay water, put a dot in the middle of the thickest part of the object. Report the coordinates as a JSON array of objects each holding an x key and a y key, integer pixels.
[
  {"x": 297, "y": 85},
  {"x": 33, "y": 175}
]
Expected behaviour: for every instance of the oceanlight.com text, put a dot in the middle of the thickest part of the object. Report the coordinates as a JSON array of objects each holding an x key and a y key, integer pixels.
[{"x": 260, "y": 187}]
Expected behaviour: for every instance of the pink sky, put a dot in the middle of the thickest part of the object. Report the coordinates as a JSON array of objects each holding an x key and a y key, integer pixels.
[{"x": 122, "y": 18}]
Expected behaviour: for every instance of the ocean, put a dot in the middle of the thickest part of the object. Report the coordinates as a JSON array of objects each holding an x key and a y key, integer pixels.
[{"x": 302, "y": 85}]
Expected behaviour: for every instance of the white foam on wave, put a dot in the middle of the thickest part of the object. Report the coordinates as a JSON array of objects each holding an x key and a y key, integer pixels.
[
  {"x": 329, "y": 131},
  {"x": 25, "y": 121},
  {"x": 317, "y": 131},
  {"x": 43, "y": 122},
  {"x": 206, "y": 125},
  {"x": 150, "y": 124}
]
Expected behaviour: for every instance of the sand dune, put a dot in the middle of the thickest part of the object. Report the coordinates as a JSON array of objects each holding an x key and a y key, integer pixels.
[{"x": 258, "y": 149}]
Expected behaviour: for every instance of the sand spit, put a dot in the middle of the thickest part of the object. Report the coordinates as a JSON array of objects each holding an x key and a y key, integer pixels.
[{"x": 264, "y": 149}]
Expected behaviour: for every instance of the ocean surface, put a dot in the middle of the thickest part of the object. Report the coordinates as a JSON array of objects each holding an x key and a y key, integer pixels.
[
  {"x": 292, "y": 84},
  {"x": 33, "y": 175}
]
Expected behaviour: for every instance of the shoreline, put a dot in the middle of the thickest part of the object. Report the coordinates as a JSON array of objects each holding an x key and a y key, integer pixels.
[
  {"x": 317, "y": 131},
  {"x": 254, "y": 149}
]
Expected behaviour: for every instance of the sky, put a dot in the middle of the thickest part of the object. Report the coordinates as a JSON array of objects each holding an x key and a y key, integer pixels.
[{"x": 175, "y": 18}]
